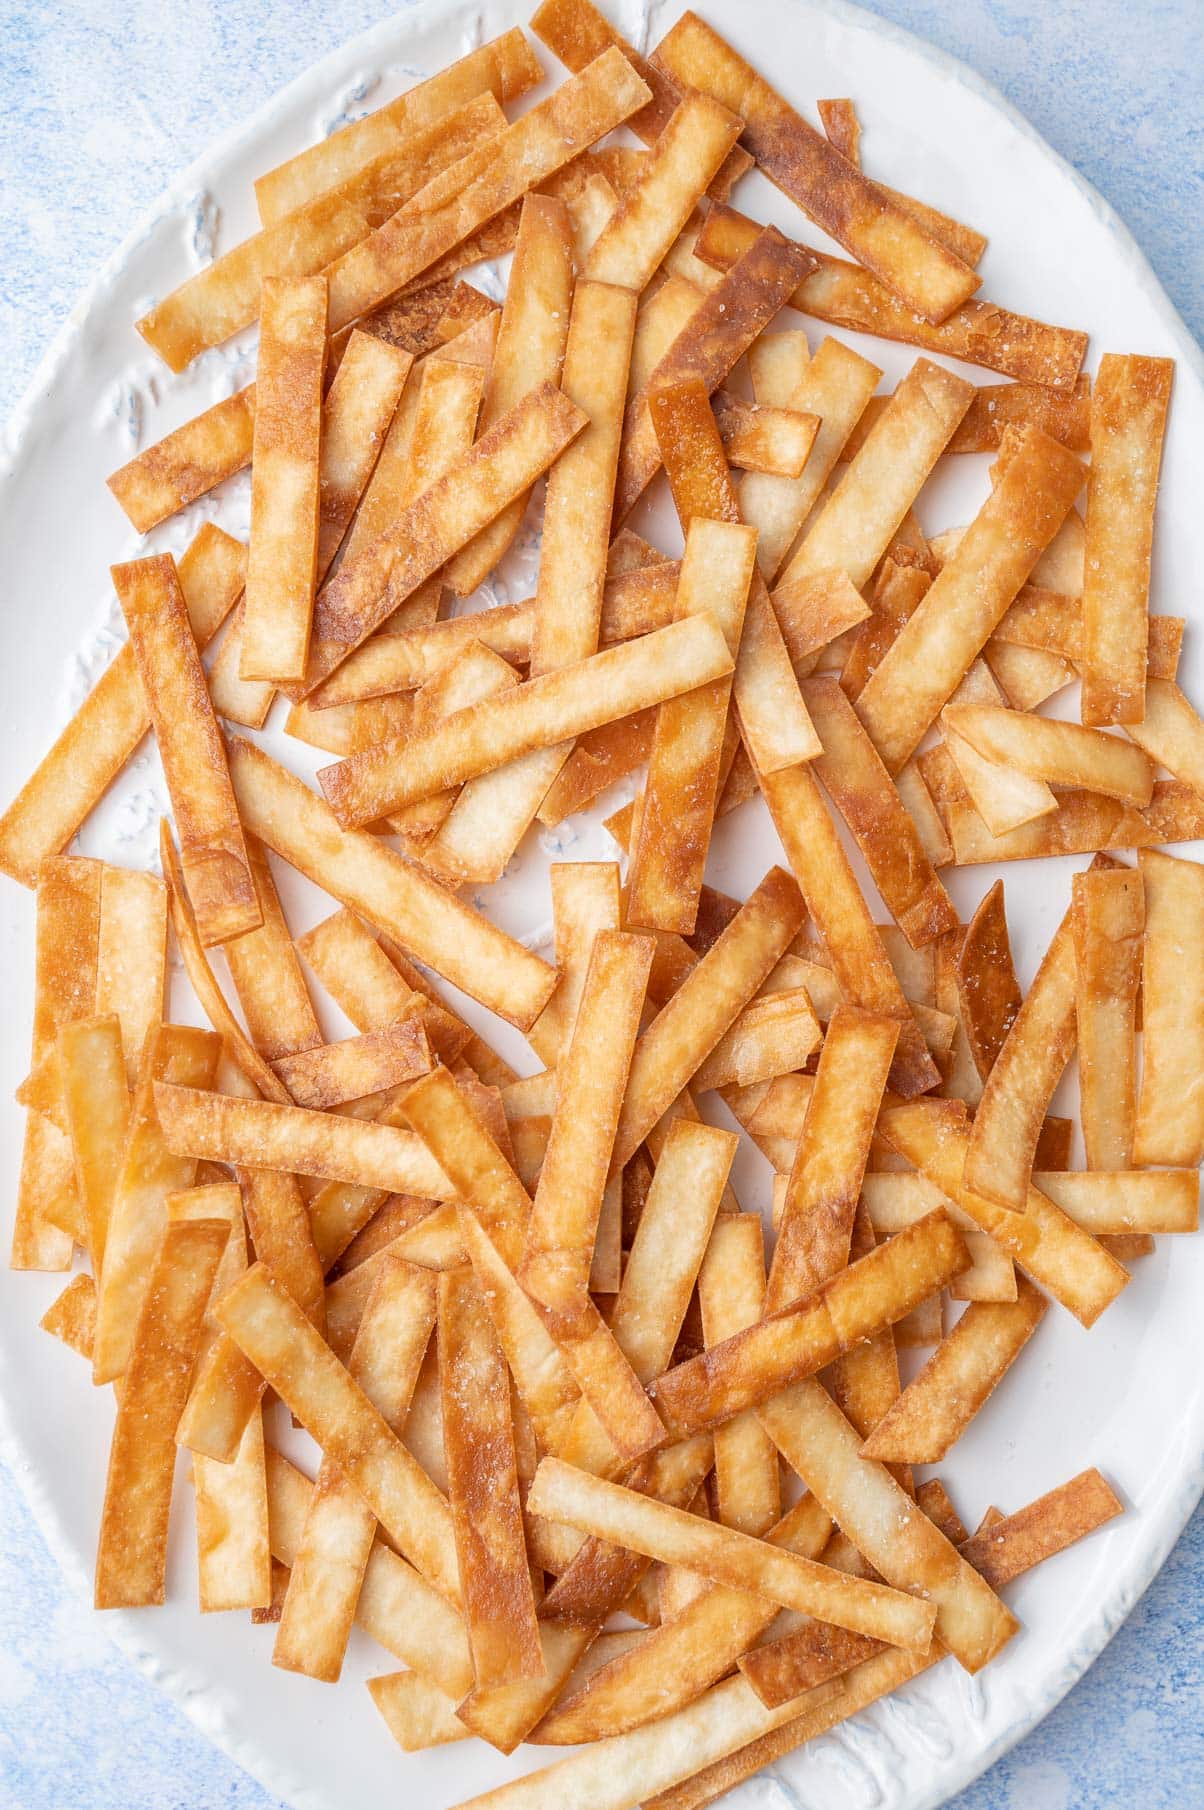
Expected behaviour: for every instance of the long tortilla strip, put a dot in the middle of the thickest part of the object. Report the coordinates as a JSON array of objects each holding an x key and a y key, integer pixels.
[{"x": 1170, "y": 1107}]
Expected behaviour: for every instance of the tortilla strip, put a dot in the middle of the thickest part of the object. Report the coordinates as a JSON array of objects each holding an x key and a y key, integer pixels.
[
  {"x": 691, "y": 1023},
  {"x": 131, "y": 957},
  {"x": 271, "y": 1329},
  {"x": 880, "y": 1288},
  {"x": 97, "y": 1103},
  {"x": 825, "y": 1182},
  {"x": 881, "y": 1520},
  {"x": 731, "y": 1293},
  {"x": 757, "y": 437},
  {"x": 936, "y": 646},
  {"x": 1109, "y": 933},
  {"x": 859, "y": 214},
  {"x": 1170, "y": 1107},
  {"x": 935, "y": 1409},
  {"x": 1128, "y": 421},
  {"x": 988, "y": 991},
  {"x": 860, "y": 787},
  {"x": 131, "y": 1559},
  {"x": 848, "y": 296},
  {"x": 1023, "y": 1077},
  {"x": 546, "y": 710},
  {"x": 267, "y": 975},
  {"x": 484, "y": 1490},
  {"x": 465, "y": 198},
  {"x": 715, "y": 336},
  {"x": 1122, "y": 1202},
  {"x": 1062, "y": 754},
  {"x": 505, "y": 68},
  {"x": 71, "y": 1316},
  {"x": 833, "y": 898},
  {"x": 590, "y": 1086},
  {"x": 334, "y": 1073},
  {"x": 106, "y": 729},
  {"x": 530, "y": 351},
  {"x": 599, "y": 760},
  {"x": 585, "y": 900},
  {"x": 772, "y": 1036},
  {"x": 624, "y": 1517},
  {"x": 1048, "y": 1245},
  {"x": 392, "y": 894},
  {"x": 1171, "y": 732},
  {"x": 188, "y": 462},
  {"x": 670, "y": 1244},
  {"x": 665, "y": 872},
  {"x": 417, "y": 1713}
]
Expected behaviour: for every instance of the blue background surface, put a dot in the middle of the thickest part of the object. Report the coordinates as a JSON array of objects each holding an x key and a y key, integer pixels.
[{"x": 99, "y": 107}]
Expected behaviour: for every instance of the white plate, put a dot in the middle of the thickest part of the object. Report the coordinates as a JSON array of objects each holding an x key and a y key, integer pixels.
[{"x": 1128, "y": 1396}]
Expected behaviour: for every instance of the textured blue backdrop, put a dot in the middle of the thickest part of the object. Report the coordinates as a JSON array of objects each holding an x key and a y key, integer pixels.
[{"x": 99, "y": 107}]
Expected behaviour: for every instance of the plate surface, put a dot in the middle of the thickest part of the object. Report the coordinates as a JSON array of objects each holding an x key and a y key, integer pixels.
[{"x": 1129, "y": 1396}]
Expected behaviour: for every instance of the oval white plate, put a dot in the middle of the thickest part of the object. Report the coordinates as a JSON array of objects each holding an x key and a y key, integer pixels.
[{"x": 1128, "y": 1396}]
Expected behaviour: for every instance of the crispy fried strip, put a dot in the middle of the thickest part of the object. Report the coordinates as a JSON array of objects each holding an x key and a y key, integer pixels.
[
  {"x": 1128, "y": 420},
  {"x": 1170, "y": 1106},
  {"x": 749, "y": 1368},
  {"x": 585, "y": 900},
  {"x": 859, "y": 214},
  {"x": 1123, "y": 1202},
  {"x": 267, "y": 975},
  {"x": 1016, "y": 1543},
  {"x": 188, "y": 462},
  {"x": 374, "y": 1061},
  {"x": 1083, "y": 823},
  {"x": 131, "y": 1558},
  {"x": 97, "y": 1102},
  {"x": 131, "y": 957},
  {"x": 483, "y": 1489},
  {"x": 731, "y": 1296},
  {"x": 988, "y": 990},
  {"x": 417, "y": 1713},
  {"x": 1060, "y": 753},
  {"x": 1109, "y": 933},
  {"x": 108, "y": 726},
  {"x": 759, "y": 437},
  {"x": 772, "y": 1036},
  {"x": 71, "y": 1316},
  {"x": 392, "y": 894},
  {"x": 1171, "y": 731}
]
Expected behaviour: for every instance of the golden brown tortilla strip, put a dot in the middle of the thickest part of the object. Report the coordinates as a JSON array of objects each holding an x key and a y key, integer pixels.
[
  {"x": 1128, "y": 421},
  {"x": 417, "y": 1713},
  {"x": 108, "y": 726},
  {"x": 131, "y": 957},
  {"x": 874, "y": 1292},
  {"x": 1171, "y": 732},
  {"x": 863, "y": 971},
  {"x": 1083, "y": 823},
  {"x": 97, "y": 1105},
  {"x": 731, "y": 1296},
  {"x": 988, "y": 991},
  {"x": 842, "y": 128},
  {"x": 599, "y": 760},
  {"x": 856, "y": 212},
  {"x": 267, "y": 975},
  {"x": 757, "y": 437},
  {"x": 334, "y": 1073},
  {"x": 1060, "y": 753},
  {"x": 483, "y": 184},
  {"x": 505, "y": 68},
  {"x": 585, "y": 900},
  {"x": 1014, "y": 1544},
  {"x": 483, "y": 1490},
  {"x": 71, "y": 1316},
  {"x": 188, "y": 462},
  {"x": 772, "y": 1036},
  {"x": 1126, "y": 1202},
  {"x": 848, "y": 296},
  {"x": 1109, "y": 934},
  {"x": 1170, "y": 1107},
  {"x": 1048, "y": 1245},
  {"x": 390, "y": 893}
]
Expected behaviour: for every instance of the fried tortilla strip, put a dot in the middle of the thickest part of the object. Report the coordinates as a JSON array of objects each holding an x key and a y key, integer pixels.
[
  {"x": 469, "y": 195},
  {"x": 599, "y": 760},
  {"x": 131, "y": 957},
  {"x": 718, "y": 332},
  {"x": 1049, "y": 1525},
  {"x": 861, "y": 789},
  {"x": 937, "y": 645},
  {"x": 478, "y": 673},
  {"x": 131, "y": 1559},
  {"x": 1128, "y": 421},
  {"x": 267, "y": 975},
  {"x": 1062, "y": 754},
  {"x": 530, "y": 351},
  {"x": 825, "y": 1183},
  {"x": 678, "y": 806},
  {"x": 97, "y": 1102},
  {"x": 845, "y": 295},
  {"x": 483, "y": 1489},
  {"x": 758, "y": 437},
  {"x": 1170, "y": 1107},
  {"x": 392, "y": 894},
  {"x": 259, "y": 1134},
  {"x": 935, "y": 1410},
  {"x": 1051, "y": 1249},
  {"x": 112, "y": 720},
  {"x": 624, "y": 1517},
  {"x": 880, "y": 1288},
  {"x": 670, "y": 1244},
  {"x": 818, "y": 613},
  {"x": 1109, "y": 934},
  {"x": 863, "y": 971},
  {"x": 71, "y": 1317},
  {"x": 1023, "y": 1077},
  {"x": 1121, "y": 1203},
  {"x": 861, "y": 216},
  {"x": 1171, "y": 731},
  {"x": 187, "y": 463},
  {"x": 988, "y": 991},
  {"x": 1063, "y": 415},
  {"x": 835, "y": 385},
  {"x": 591, "y": 1082},
  {"x": 271, "y": 1329},
  {"x": 1083, "y": 823},
  {"x": 505, "y": 68},
  {"x": 772, "y": 1036},
  {"x": 881, "y": 1520},
  {"x": 417, "y": 1713},
  {"x": 585, "y": 900},
  {"x": 546, "y": 710},
  {"x": 771, "y": 715},
  {"x": 336, "y": 1540},
  {"x": 149, "y": 1173},
  {"x": 396, "y": 1606},
  {"x": 856, "y": 525},
  {"x": 688, "y": 1027},
  {"x": 334, "y": 1073},
  {"x": 190, "y": 746},
  {"x": 731, "y": 1297}
]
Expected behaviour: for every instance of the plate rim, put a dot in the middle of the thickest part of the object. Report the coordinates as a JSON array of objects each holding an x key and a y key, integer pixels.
[{"x": 1166, "y": 1520}]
